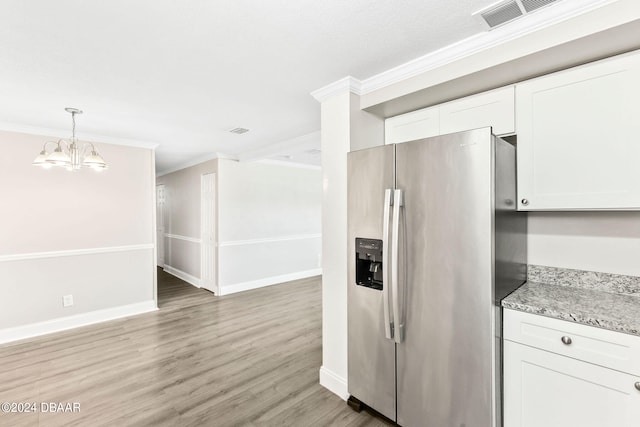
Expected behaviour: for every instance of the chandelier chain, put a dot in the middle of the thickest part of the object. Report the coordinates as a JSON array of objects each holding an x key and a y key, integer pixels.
[{"x": 73, "y": 127}]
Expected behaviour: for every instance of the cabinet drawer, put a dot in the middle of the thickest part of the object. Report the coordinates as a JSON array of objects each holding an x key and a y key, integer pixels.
[{"x": 614, "y": 350}]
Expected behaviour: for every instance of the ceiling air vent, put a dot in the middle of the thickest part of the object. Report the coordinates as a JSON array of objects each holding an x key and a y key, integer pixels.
[
  {"x": 505, "y": 11},
  {"x": 501, "y": 13},
  {"x": 531, "y": 5}
]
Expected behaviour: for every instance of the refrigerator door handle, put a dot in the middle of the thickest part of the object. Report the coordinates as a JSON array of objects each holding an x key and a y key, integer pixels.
[
  {"x": 388, "y": 324},
  {"x": 397, "y": 319}
]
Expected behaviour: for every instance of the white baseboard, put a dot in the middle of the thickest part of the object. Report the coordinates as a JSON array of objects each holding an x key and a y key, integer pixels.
[
  {"x": 182, "y": 275},
  {"x": 267, "y": 281},
  {"x": 334, "y": 383},
  {"x": 70, "y": 322}
]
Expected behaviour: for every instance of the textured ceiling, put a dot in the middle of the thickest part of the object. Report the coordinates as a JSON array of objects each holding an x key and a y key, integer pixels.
[{"x": 181, "y": 74}]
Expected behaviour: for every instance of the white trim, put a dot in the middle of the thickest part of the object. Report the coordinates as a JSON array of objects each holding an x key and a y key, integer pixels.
[
  {"x": 185, "y": 238},
  {"x": 334, "y": 383},
  {"x": 193, "y": 280},
  {"x": 345, "y": 84},
  {"x": 269, "y": 240},
  {"x": 75, "y": 321},
  {"x": 99, "y": 139},
  {"x": 528, "y": 24},
  {"x": 289, "y": 164},
  {"x": 75, "y": 252},
  {"x": 267, "y": 281}
]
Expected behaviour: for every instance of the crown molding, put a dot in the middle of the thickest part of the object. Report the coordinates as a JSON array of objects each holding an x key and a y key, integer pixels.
[
  {"x": 195, "y": 161},
  {"x": 307, "y": 141},
  {"x": 100, "y": 139},
  {"x": 284, "y": 163},
  {"x": 350, "y": 84},
  {"x": 540, "y": 19}
]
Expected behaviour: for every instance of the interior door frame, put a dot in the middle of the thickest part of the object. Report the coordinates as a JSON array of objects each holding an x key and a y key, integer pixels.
[
  {"x": 160, "y": 207},
  {"x": 208, "y": 221}
]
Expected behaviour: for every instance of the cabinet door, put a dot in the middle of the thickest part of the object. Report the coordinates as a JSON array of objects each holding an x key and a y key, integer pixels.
[
  {"x": 578, "y": 136},
  {"x": 545, "y": 389},
  {"x": 494, "y": 108},
  {"x": 411, "y": 126}
]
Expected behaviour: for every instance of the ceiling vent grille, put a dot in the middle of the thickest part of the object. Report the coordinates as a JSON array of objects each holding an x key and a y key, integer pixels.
[
  {"x": 502, "y": 14},
  {"x": 239, "y": 131},
  {"x": 506, "y": 11},
  {"x": 531, "y": 5}
]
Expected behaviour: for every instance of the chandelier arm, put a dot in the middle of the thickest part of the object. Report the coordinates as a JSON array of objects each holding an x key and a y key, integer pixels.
[
  {"x": 44, "y": 147},
  {"x": 85, "y": 148},
  {"x": 66, "y": 144}
]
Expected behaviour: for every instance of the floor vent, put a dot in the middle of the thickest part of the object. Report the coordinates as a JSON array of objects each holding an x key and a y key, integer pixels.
[{"x": 506, "y": 11}]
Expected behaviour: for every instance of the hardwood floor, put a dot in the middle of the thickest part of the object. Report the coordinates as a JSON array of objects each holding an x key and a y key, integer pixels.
[{"x": 247, "y": 359}]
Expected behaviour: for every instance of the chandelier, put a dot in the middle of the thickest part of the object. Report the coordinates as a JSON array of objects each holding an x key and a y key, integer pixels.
[{"x": 68, "y": 154}]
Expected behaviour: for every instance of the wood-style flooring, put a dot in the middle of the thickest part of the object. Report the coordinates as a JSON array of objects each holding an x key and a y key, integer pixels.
[{"x": 248, "y": 359}]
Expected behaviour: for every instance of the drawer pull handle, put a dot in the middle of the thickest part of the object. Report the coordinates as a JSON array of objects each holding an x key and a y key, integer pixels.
[
  {"x": 566, "y": 340},
  {"x": 637, "y": 385}
]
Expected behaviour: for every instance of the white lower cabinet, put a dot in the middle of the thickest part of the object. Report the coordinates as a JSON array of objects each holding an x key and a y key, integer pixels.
[
  {"x": 544, "y": 389},
  {"x": 547, "y": 389}
]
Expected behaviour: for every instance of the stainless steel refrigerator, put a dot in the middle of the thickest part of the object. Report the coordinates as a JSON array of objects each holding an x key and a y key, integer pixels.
[{"x": 435, "y": 243}]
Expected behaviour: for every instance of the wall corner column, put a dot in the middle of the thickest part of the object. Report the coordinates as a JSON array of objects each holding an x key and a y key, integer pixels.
[{"x": 344, "y": 127}]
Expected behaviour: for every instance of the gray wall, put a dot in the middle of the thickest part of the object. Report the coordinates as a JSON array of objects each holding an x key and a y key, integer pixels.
[{"x": 85, "y": 233}]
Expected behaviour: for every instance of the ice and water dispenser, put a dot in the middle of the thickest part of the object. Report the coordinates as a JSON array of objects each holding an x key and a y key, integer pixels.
[{"x": 369, "y": 263}]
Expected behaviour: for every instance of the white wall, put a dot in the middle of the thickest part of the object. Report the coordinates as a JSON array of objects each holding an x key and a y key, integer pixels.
[
  {"x": 85, "y": 233},
  {"x": 182, "y": 220},
  {"x": 268, "y": 224},
  {"x": 596, "y": 241}
]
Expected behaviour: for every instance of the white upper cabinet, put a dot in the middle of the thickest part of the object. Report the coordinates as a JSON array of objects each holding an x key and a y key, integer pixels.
[
  {"x": 415, "y": 125},
  {"x": 494, "y": 108},
  {"x": 579, "y": 137}
]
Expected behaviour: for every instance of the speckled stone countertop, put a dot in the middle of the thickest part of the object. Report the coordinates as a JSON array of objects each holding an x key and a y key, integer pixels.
[{"x": 597, "y": 299}]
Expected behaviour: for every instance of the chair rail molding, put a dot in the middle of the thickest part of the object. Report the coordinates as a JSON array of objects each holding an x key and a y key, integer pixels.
[{"x": 75, "y": 252}]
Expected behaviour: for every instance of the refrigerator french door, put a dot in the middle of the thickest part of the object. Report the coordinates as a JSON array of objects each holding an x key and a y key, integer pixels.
[{"x": 435, "y": 242}]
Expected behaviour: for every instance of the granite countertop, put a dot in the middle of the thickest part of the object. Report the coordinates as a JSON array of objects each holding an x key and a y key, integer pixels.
[{"x": 595, "y": 299}]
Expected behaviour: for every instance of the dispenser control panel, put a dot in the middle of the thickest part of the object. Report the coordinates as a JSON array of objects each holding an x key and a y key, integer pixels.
[{"x": 369, "y": 263}]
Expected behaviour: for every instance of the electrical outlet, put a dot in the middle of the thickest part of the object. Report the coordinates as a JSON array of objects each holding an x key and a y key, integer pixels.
[{"x": 67, "y": 300}]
